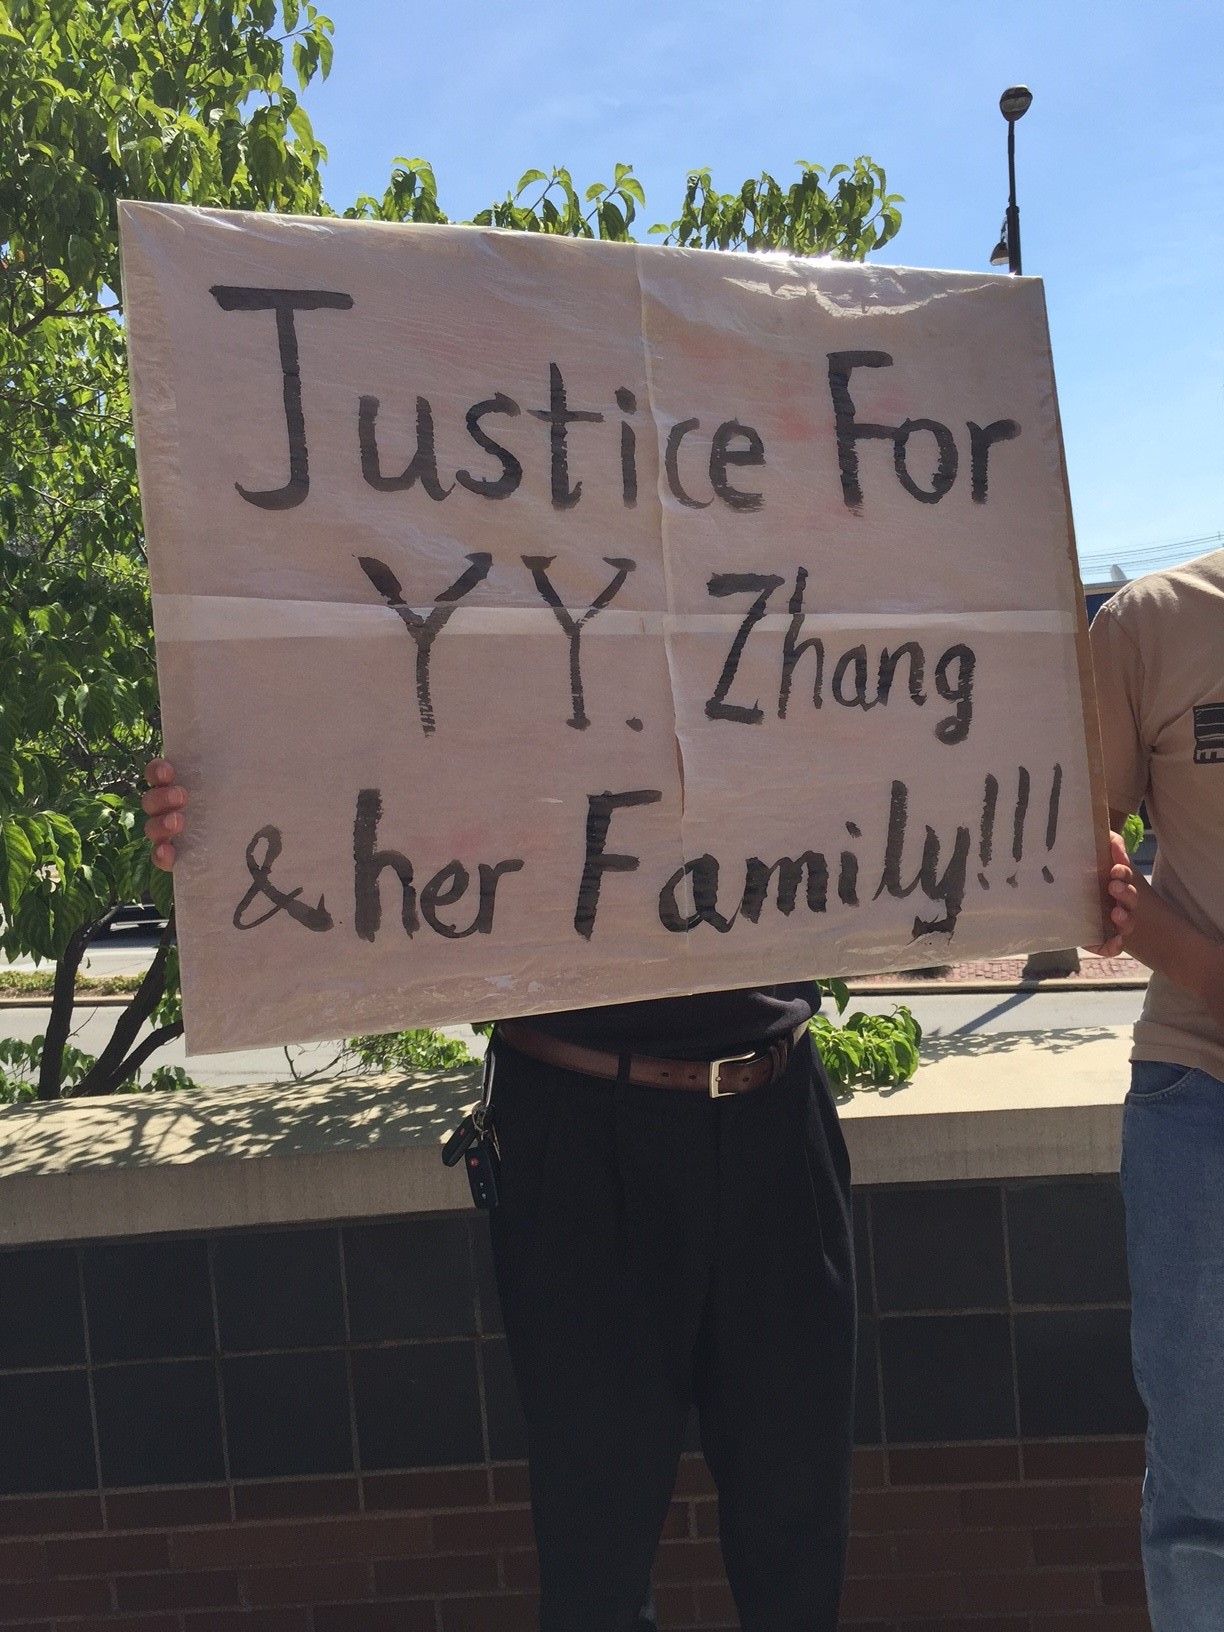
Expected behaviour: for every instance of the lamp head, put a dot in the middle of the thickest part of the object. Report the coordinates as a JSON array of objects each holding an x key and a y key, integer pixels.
[{"x": 1015, "y": 102}]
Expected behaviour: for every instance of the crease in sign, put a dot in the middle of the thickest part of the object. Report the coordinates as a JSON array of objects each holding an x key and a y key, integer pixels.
[
  {"x": 883, "y": 298},
  {"x": 668, "y": 623},
  {"x": 250, "y": 617}
]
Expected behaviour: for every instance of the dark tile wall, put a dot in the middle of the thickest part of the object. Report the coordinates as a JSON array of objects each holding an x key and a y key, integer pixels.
[
  {"x": 987, "y": 1312},
  {"x": 252, "y": 1355},
  {"x": 999, "y": 1311}
]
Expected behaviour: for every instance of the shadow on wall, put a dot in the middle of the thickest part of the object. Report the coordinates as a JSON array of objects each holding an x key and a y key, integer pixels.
[
  {"x": 373, "y": 1113},
  {"x": 144, "y": 1130}
]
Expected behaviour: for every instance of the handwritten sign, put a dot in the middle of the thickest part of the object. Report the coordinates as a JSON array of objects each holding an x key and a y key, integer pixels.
[{"x": 544, "y": 624}]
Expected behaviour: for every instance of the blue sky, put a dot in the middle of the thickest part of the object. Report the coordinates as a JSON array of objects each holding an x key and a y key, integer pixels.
[{"x": 1120, "y": 171}]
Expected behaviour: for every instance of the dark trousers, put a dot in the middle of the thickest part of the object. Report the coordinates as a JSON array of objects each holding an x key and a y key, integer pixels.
[{"x": 656, "y": 1249}]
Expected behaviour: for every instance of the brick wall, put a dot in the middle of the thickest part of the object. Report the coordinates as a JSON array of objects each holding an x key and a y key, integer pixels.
[{"x": 314, "y": 1430}]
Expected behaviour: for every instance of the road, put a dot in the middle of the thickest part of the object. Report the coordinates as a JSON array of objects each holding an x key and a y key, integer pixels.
[
  {"x": 127, "y": 952},
  {"x": 946, "y": 1014},
  {"x": 939, "y": 1013}
]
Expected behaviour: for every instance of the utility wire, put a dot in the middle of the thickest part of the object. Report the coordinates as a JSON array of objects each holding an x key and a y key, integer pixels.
[{"x": 1151, "y": 556}]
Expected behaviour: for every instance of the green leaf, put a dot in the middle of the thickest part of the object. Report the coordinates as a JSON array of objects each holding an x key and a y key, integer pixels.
[
  {"x": 66, "y": 841},
  {"x": 18, "y": 857},
  {"x": 161, "y": 889},
  {"x": 299, "y": 123},
  {"x": 612, "y": 224},
  {"x": 838, "y": 991}
]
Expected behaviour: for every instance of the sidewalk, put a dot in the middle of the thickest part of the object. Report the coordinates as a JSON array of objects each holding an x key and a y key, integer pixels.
[
  {"x": 982, "y": 975},
  {"x": 995, "y": 974}
]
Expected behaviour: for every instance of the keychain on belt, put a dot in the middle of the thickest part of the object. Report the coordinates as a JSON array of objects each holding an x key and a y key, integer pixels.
[{"x": 474, "y": 1142}]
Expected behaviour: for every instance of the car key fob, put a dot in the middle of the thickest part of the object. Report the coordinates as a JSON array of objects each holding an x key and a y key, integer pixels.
[
  {"x": 460, "y": 1141},
  {"x": 481, "y": 1165}
]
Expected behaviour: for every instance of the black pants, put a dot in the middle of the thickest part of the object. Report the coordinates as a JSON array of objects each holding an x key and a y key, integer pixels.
[{"x": 656, "y": 1248}]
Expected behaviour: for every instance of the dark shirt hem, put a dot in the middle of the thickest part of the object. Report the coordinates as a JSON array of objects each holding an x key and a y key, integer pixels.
[{"x": 703, "y": 1026}]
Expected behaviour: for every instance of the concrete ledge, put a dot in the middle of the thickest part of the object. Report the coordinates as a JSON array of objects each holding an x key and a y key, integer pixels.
[
  {"x": 990, "y": 1106},
  {"x": 1020, "y": 1105}
]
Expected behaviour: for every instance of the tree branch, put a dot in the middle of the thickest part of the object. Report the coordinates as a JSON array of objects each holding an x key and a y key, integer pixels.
[
  {"x": 49, "y": 309},
  {"x": 92, "y": 311},
  {"x": 138, "y": 1056},
  {"x": 319, "y": 1070},
  {"x": 102, "y": 1075},
  {"x": 59, "y": 1022}
]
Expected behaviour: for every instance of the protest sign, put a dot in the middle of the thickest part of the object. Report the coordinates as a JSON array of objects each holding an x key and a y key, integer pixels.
[{"x": 546, "y": 623}]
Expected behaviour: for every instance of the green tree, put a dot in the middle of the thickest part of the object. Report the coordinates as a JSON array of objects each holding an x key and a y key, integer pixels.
[
  {"x": 104, "y": 99},
  {"x": 182, "y": 100}
]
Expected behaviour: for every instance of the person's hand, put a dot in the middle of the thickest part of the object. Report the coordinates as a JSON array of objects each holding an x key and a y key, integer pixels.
[
  {"x": 1124, "y": 893},
  {"x": 163, "y": 805}
]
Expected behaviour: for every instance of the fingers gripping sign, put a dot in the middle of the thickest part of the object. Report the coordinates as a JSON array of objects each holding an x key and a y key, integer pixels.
[
  {"x": 163, "y": 805},
  {"x": 1122, "y": 893}
]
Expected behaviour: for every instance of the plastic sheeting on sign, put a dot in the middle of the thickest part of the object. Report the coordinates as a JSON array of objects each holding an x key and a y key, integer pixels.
[{"x": 544, "y": 624}]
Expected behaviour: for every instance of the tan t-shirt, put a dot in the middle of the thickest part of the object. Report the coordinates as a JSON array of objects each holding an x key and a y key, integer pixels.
[{"x": 1158, "y": 652}]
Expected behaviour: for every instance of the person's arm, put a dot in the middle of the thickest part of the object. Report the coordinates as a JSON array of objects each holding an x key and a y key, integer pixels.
[{"x": 1167, "y": 942}]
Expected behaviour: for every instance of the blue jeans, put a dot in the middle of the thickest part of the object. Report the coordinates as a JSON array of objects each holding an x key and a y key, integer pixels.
[{"x": 1173, "y": 1185}]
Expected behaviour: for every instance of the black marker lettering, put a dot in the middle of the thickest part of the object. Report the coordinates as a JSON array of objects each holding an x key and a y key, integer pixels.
[
  {"x": 855, "y": 658},
  {"x": 849, "y": 431},
  {"x": 599, "y": 861},
  {"x": 422, "y": 467},
  {"x": 990, "y": 803},
  {"x": 739, "y": 583},
  {"x": 450, "y": 884},
  {"x": 424, "y": 631},
  {"x": 1023, "y": 785},
  {"x": 948, "y": 889},
  {"x": 538, "y": 566},
  {"x": 316, "y": 917},
  {"x": 559, "y": 416},
  {"x": 627, "y": 403},
  {"x": 981, "y": 439},
  {"x": 671, "y": 463},
  {"x": 956, "y": 727},
  {"x": 284, "y": 302},
  {"x": 490, "y": 487},
  {"x": 945, "y": 469},
  {"x": 793, "y": 649},
  {"x": 369, "y": 863},
  {"x": 917, "y": 672},
  {"x": 1052, "y": 818},
  {"x": 790, "y": 871},
  {"x": 704, "y": 874},
  {"x": 723, "y": 454}
]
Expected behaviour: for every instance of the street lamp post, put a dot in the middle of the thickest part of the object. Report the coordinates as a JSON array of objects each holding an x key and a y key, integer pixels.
[{"x": 1013, "y": 105}]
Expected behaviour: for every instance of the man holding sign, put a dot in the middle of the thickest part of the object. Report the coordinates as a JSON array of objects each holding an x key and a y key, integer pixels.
[
  {"x": 671, "y": 1231},
  {"x": 410, "y": 495}
]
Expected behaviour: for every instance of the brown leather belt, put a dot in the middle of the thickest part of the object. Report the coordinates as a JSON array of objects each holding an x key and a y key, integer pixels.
[{"x": 734, "y": 1074}]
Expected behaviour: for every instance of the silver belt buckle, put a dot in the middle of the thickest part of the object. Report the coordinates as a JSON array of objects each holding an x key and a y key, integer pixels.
[{"x": 717, "y": 1065}]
